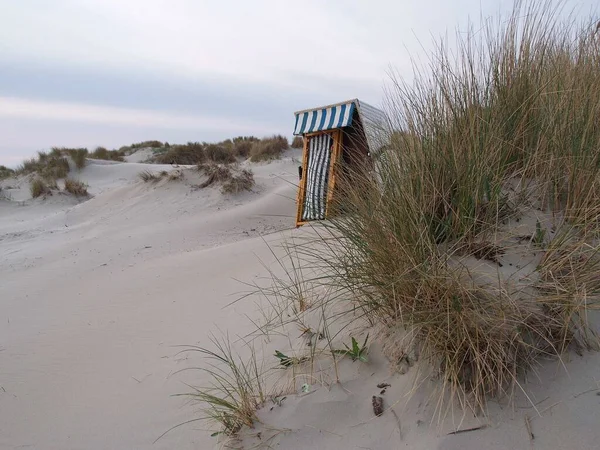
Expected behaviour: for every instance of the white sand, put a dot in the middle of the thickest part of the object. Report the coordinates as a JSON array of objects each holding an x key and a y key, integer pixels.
[{"x": 95, "y": 297}]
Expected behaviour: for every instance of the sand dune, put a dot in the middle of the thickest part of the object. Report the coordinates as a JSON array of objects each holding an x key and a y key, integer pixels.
[{"x": 96, "y": 297}]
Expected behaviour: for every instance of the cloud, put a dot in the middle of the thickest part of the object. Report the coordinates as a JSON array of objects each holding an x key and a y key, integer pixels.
[{"x": 52, "y": 110}]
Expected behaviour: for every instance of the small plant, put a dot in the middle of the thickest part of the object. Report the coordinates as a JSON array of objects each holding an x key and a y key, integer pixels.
[
  {"x": 237, "y": 389},
  {"x": 38, "y": 187},
  {"x": 355, "y": 352},
  {"x": 540, "y": 234},
  {"x": 289, "y": 361},
  {"x": 75, "y": 187}
]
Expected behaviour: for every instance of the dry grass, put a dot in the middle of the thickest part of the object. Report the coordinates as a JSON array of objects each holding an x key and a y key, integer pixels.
[
  {"x": 514, "y": 105},
  {"x": 148, "y": 176},
  {"x": 243, "y": 181},
  {"x": 297, "y": 142},
  {"x": 78, "y": 155},
  {"x": 108, "y": 155},
  {"x": 6, "y": 172},
  {"x": 237, "y": 390},
  {"x": 50, "y": 166},
  {"x": 76, "y": 187},
  {"x": 268, "y": 148},
  {"x": 243, "y": 144},
  {"x": 221, "y": 153},
  {"x": 38, "y": 187},
  {"x": 188, "y": 154}
]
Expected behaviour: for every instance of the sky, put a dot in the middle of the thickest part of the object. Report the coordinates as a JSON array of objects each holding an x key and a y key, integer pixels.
[{"x": 84, "y": 73}]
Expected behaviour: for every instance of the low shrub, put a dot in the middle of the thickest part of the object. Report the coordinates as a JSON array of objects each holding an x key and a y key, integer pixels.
[
  {"x": 75, "y": 187},
  {"x": 268, "y": 148}
]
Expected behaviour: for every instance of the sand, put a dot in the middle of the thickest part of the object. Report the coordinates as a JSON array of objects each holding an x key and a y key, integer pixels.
[{"x": 97, "y": 295}]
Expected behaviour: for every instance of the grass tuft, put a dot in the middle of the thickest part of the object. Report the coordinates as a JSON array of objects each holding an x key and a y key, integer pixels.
[
  {"x": 297, "y": 142},
  {"x": 108, "y": 155},
  {"x": 76, "y": 187},
  {"x": 188, "y": 154},
  {"x": 6, "y": 172},
  {"x": 148, "y": 176},
  {"x": 38, "y": 187},
  {"x": 243, "y": 181},
  {"x": 268, "y": 148},
  {"x": 237, "y": 390}
]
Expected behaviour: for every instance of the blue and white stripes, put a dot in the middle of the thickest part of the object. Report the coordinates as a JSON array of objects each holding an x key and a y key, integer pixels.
[
  {"x": 327, "y": 118},
  {"x": 317, "y": 177}
]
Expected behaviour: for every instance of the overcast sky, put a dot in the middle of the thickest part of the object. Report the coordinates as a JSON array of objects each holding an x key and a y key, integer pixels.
[{"x": 112, "y": 72}]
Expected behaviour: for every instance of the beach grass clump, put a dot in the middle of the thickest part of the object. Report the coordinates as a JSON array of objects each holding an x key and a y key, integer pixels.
[
  {"x": 187, "y": 154},
  {"x": 221, "y": 153},
  {"x": 297, "y": 142},
  {"x": 108, "y": 155},
  {"x": 6, "y": 172},
  {"x": 504, "y": 128},
  {"x": 243, "y": 144},
  {"x": 268, "y": 148},
  {"x": 39, "y": 187},
  {"x": 236, "y": 391},
  {"x": 50, "y": 166},
  {"x": 147, "y": 176},
  {"x": 239, "y": 182},
  {"x": 76, "y": 187}
]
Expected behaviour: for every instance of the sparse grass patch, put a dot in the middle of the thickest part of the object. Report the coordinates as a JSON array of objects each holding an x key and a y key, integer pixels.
[
  {"x": 188, "y": 154},
  {"x": 76, "y": 187},
  {"x": 39, "y": 187},
  {"x": 297, "y": 142},
  {"x": 108, "y": 155},
  {"x": 6, "y": 172},
  {"x": 268, "y": 148},
  {"x": 243, "y": 144},
  {"x": 148, "y": 176},
  {"x": 220, "y": 153},
  {"x": 216, "y": 174},
  {"x": 512, "y": 106},
  {"x": 49, "y": 166},
  {"x": 146, "y": 144},
  {"x": 242, "y": 181},
  {"x": 237, "y": 390}
]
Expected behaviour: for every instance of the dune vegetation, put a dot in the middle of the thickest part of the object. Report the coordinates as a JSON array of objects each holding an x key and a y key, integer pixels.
[
  {"x": 474, "y": 251},
  {"x": 224, "y": 152}
]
